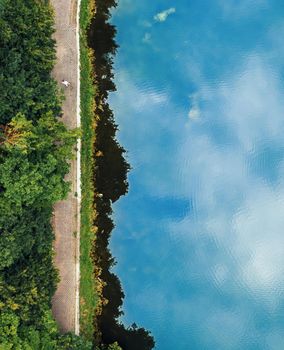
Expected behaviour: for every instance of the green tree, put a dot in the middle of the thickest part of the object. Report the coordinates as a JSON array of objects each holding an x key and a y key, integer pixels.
[
  {"x": 35, "y": 150},
  {"x": 35, "y": 161},
  {"x": 114, "y": 346},
  {"x": 27, "y": 57}
]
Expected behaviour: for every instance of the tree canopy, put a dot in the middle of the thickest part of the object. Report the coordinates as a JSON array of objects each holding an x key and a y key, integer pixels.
[
  {"x": 110, "y": 183},
  {"x": 35, "y": 150}
]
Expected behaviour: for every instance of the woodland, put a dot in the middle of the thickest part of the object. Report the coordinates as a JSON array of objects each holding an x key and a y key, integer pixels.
[
  {"x": 110, "y": 182},
  {"x": 35, "y": 149}
]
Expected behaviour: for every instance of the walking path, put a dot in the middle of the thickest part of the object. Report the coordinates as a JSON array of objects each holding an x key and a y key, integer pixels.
[{"x": 66, "y": 220}]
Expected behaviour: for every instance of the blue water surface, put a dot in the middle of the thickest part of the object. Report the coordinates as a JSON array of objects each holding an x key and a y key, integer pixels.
[{"x": 199, "y": 239}]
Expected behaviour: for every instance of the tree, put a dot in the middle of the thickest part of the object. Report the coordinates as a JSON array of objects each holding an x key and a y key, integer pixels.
[
  {"x": 35, "y": 161},
  {"x": 114, "y": 346},
  {"x": 35, "y": 150},
  {"x": 26, "y": 60}
]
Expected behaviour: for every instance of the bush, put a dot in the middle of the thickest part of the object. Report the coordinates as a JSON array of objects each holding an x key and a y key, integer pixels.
[{"x": 35, "y": 149}]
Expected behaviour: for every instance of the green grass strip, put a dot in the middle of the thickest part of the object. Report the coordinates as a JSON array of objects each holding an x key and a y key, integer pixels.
[{"x": 88, "y": 297}]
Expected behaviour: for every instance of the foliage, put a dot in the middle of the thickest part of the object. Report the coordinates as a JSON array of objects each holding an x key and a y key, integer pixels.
[
  {"x": 34, "y": 164},
  {"x": 88, "y": 285},
  {"x": 113, "y": 346},
  {"x": 29, "y": 338},
  {"x": 27, "y": 57},
  {"x": 110, "y": 182},
  {"x": 35, "y": 149}
]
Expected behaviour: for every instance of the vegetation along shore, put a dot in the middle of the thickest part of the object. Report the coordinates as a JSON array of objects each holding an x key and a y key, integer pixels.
[
  {"x": 107, "y": 169},
  {"x": 35, "y": 150}
]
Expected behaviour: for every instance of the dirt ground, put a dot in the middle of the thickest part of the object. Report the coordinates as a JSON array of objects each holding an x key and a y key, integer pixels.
[{"x": 65, "y": 221}]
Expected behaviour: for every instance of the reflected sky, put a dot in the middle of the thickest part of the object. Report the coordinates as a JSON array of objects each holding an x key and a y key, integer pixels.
[{"x": 199, "y": 239}]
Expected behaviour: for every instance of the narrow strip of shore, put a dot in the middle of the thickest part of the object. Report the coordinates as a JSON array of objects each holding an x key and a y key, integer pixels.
[
  {"x": 78, "y": 182},
  {"x": 66, "y": 220}
]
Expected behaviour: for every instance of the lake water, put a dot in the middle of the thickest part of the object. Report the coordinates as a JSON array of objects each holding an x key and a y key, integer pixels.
[{"x": 199, "y": 239}]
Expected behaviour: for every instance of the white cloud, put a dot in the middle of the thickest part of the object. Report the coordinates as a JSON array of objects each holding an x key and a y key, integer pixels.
[
  {"x": 140, "y": 107},
  {"x": 145, "y": 24},
  {"x": 147, "y": 38},
  {"x": 225, "y": 327},
  {"x": 234, "y": 206},
  {"x": 130, "y": 96},
  {"x": 194, "y": 112},
  {"x": 252, "y": 104},
  {"x": 234, "y": 232},
  {"x": 162, "y": 16},
  {"x": 259, "y": 240}
]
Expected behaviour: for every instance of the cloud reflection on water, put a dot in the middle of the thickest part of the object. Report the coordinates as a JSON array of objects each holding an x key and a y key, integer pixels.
[{"x": 210, "y": 277}]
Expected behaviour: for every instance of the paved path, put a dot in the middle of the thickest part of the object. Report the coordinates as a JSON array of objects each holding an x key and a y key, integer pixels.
[{"x": 66, "y": 220}]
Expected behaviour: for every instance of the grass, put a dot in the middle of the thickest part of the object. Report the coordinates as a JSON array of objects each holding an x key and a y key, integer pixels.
[{"x": 88, "y": 296}]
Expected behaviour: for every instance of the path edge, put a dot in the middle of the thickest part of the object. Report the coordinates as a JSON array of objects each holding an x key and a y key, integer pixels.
[{"x": 78, "y": 182}]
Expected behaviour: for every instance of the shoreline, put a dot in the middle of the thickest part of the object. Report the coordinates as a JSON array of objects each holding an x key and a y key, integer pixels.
[
  {"x": 78, "y": 182},
  {"x": 110, "y": 183}
]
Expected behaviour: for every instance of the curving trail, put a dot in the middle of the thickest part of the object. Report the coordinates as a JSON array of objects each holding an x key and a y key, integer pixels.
[{"x": 66, "y": 220}]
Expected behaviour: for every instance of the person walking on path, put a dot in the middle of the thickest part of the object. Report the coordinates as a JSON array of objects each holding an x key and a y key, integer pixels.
[{"x": 65, "y": 83}]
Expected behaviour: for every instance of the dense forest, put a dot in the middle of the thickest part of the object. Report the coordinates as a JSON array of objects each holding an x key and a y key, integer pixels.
[
  {"x": 110, "y": 182},
  {"x": 34, "y": 151},
  {"x": 35, "y": 148}
]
